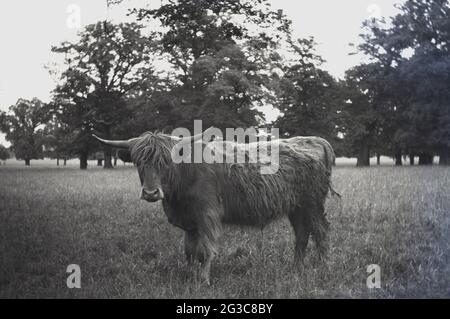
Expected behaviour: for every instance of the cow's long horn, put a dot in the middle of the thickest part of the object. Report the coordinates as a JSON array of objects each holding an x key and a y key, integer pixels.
[{"x": 118, "y": 144}]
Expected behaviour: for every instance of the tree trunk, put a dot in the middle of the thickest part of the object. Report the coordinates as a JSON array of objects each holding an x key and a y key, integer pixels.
[
  {"x": 115, "y": 160},
  {"x": 363, "y": 155},
  {"x": 27, "y": 162},
  {"x": 108, "y": 162},
  {"x": 425, "y": 159},
  {"x": 65, "y": 161},
  {"x": 83, "y": 161},
  {"x": 107, "y": 149},
  {"x": 444, "y": 156},
  {"x": 99, "y": 162},
  {"x": 57, "y": 161},
  {"x": 411, "y": 159},
  {"x": 378, "y": 158},
  {"x": 398, "y": 158}
]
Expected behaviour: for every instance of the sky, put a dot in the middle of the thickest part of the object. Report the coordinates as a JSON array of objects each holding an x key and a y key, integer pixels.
[{"x": 28, "y": 30}]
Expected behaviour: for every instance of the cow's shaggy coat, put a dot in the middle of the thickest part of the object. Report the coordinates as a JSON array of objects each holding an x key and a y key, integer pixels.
[
  {"x": 317, "y": 147},
  {"x": 199, "y": 198}
]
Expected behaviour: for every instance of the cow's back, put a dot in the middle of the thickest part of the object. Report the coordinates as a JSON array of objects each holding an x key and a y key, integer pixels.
[
  {"x": 316, "y": 146},
  {"x": 252, "y": 198}
]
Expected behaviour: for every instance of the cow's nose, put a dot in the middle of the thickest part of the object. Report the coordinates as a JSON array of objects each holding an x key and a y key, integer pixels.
[{"x": 152, "y": 195}]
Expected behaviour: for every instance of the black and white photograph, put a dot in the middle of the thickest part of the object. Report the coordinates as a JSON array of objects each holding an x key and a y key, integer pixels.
[{"x": 244, "y": 150}]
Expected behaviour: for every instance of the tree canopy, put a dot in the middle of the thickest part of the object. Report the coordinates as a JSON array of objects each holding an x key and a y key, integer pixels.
[
  {"x": 222, "y": 60},
  {"x": 108, "y": 62},
  {"x": 221, "y": 69},
  {"x": 412, "y": 56},
  {"x": 23, "y": 128}
]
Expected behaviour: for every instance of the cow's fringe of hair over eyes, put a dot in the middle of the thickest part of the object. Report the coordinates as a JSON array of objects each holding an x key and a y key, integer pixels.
[{"x": 152, "y": 149}]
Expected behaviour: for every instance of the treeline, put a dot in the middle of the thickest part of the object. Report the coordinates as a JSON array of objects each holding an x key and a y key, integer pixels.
[{"x": 220, "y": 60}]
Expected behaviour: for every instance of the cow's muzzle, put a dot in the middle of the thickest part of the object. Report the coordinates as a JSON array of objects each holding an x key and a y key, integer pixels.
[{"x": 152, "y": 195}]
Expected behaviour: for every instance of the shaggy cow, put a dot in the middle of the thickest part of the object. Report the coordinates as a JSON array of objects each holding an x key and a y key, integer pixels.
[{"x": 199, "y": 197}]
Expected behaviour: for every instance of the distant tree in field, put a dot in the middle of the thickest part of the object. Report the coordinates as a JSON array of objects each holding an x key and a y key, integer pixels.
[
  {"x": 308, "y": 97},
  {"x": 4, "y": 153},
  {"x": 71, "y": 106},
  {"x": 108, "y": 61},
  {"x": 222, "y": 55},
  {"x": 414, "y": 52},
  {"x": 57, "y": 141},
  {"x": 22, "y": 126},
  {"x": 365, "y": 113},
  {"x": 429, "y": 109}
]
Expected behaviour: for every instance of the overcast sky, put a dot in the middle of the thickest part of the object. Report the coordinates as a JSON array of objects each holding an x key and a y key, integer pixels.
[{"x": 28, "y": 29}]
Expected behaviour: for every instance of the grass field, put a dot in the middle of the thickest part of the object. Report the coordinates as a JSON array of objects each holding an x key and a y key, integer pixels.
[{"x": 398, "y": 218}]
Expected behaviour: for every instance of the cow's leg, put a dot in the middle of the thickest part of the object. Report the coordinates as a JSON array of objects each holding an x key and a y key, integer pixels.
[
  {"x": 190, "y": 246},
  {"x": 301, "y": 225},
  {"x": 319, "y": 230},
  {"x": 207, "y": 250},
  {"x": 206, "y": 266},
  {"x": 209, "y": 231}
]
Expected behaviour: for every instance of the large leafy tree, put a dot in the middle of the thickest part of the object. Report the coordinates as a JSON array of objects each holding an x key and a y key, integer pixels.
[
  {"x": 429, "y": 108},
  {"x": 221, "y": 54},
  {"x": 308, "y": 97},
  {"x": 23, "y": 128},
  {"x": 362, "y": 112},
  {"x": 107, "y": 63},
  {"x": 72, "y": 107},
  {"x": 413, "y": 50}
]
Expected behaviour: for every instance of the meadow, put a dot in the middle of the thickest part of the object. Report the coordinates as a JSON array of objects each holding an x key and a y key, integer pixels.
[{"x": 397, "y": 218}]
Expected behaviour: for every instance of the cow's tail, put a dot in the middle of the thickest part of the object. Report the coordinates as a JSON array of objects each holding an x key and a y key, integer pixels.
[
  {"x": 329, "y": 161},
  {"x": 333, "y": 192},
  {"x": 330, "y": 157}
]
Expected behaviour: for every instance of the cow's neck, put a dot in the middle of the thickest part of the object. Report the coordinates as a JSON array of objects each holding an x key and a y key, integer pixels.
[{"x": 177, "y": 179}]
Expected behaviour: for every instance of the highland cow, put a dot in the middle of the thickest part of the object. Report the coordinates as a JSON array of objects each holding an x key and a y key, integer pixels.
[{"x": 199, "y": 197}]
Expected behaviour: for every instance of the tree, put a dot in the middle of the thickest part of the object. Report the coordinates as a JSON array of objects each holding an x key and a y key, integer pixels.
[
  {"x": 308, "y": 97},
  {"x": 220, "y": 70},
  {"x": 429, "y": 111},
  {"x": 4, "y": 153},
  {"x": 107, "y": 62},
  {"x": 413, "y": 49},
  {"x": 22, "y": 126},
  {"x": 366, "y": 114},
  {"x": 56, "y": 141},
  {"x": 71, "y": 107}
]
